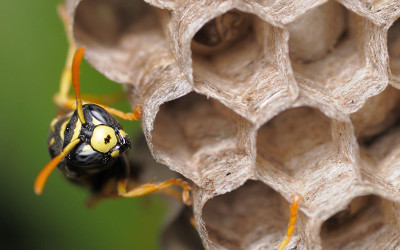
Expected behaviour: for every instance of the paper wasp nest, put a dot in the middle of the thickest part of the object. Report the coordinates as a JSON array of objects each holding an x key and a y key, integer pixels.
[{"x": 256, "y": 100}]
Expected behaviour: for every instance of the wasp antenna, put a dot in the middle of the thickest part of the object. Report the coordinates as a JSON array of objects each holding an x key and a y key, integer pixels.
[
  {"x": 76, "y": 63},
  {"x": 44, "y": 174}
]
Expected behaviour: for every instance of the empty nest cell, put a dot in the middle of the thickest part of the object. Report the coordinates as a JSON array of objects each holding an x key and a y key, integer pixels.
[
  {"x": 377, "y": 117},
  {"x": 393, "y": 44},
  {"x": 228, "y": 49},
  {"x": 107, "y": 21},
  {"x": 121, "y": 37},
  {"x": 325, "y": 45},
  {"x": 377, "y": 125},
  {"x": 368, "y": 222},
  {"x": 196, "y": 134},
  {"x": 326, "y": 23},
  {"x": 238, "y": 221},
  {"x": 297, "y": 142}
]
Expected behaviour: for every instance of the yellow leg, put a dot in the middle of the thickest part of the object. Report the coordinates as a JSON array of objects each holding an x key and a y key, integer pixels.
[
  {"x": 172, "y": 192},
  {"x": 70, "y": 103},
  {"x": 150, "y": 188},
  {"x": 136, "y": 114},
  {"x": 65, "y": 81},
  {"x": 292, "y": 221},
  {"x": 193, "y": 222},
  {"x": 106, "y": 99}
]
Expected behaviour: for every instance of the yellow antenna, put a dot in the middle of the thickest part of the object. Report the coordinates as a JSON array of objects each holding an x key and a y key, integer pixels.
[
  {"x": 46, "y": 171},
  {"x": 76, "y": 63}
]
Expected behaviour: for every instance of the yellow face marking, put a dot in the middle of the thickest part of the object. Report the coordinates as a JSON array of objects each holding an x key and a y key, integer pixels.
[
  {"x": 62, "y": 129},
  {"x": 96, "y": 122},
  {"x": 87, "y": 148},
  {"x": 103, "y": 138},
  {"x": 115, "y": 153},
  {"x": 51, "y": 141},
  {"x": 77, "y": 130},
  {"x": 123, "y": 133}
]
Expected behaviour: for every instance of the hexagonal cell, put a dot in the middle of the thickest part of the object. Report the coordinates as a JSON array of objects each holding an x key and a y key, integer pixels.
[
  {"x": 237, "y": 220},
  {"x": 231, "y": 29},
  {"x": 234, "y": 58},
  {"x": 393, "y": 43},
  {"x": 324, "y": 45},
  {"x": 296, "y": 142},
  {"x": 367, "y": 223},
  {"x": 381, "y": 160},
  {"x": 114, "y": 33},
  {"x": 106, "y": 22},
  {"x": 377, "y": 127},
  {"x": 327, "y": 32},
  {"x": 379, "y": 114},
  {"x": 199, "y": 138}
]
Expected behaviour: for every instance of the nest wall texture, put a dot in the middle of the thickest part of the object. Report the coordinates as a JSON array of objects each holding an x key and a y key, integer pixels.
[{"x": 285, "y": 97}]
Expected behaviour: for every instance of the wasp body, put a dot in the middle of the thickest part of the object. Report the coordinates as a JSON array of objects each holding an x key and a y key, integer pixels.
[{"x": 87, "y": 145}]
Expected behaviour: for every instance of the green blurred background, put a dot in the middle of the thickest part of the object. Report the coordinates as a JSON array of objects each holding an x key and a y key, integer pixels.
[{"x": 32, "y": 53}]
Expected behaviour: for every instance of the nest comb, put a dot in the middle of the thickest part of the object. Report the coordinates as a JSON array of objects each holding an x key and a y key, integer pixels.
[{"x": 293, "y": 97}]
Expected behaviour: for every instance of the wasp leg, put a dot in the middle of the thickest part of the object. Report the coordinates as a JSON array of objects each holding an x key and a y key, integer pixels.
[
  {"x": 172, "y": 192},
  {"x": 193, "y": 222},
  {"x": 135, "y": 115},
  {"x": 105, "y": 99},
  {"x": 69, "y": 103},
  {"x": 122, "y": 184},
  {"x": 292, "y": 221},
  {"x": 150, "y": 188},
  {"x": 66, "y": 76}
]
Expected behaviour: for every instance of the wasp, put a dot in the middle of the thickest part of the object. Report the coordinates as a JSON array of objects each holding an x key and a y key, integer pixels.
[{"x": 88, "y": 145}]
